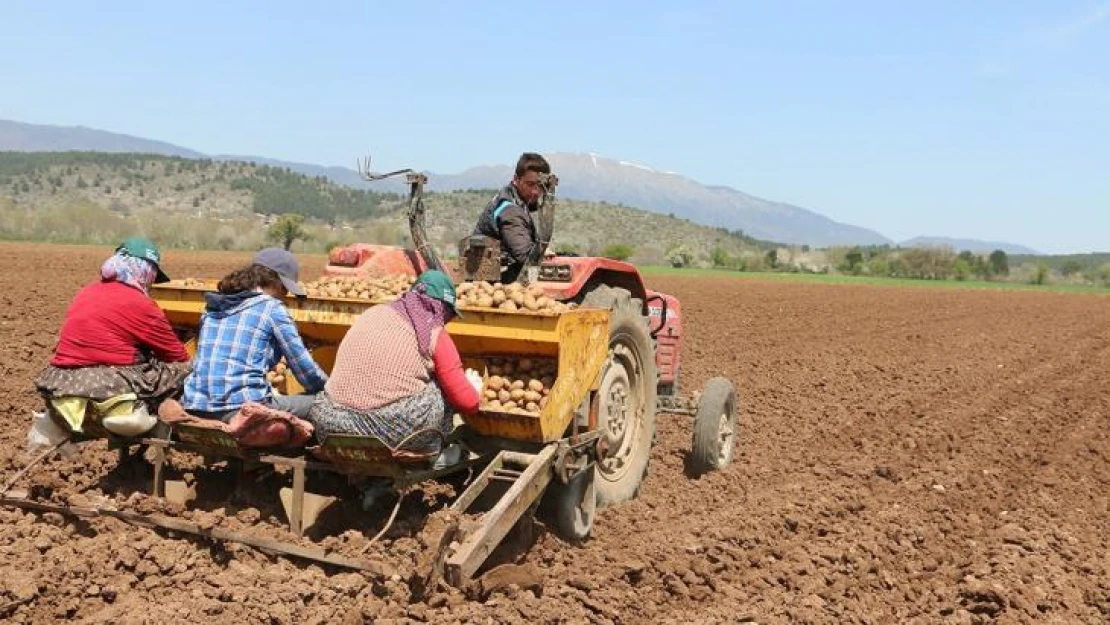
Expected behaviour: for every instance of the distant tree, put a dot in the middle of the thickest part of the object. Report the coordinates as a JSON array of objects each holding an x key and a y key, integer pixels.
[
  {"x": 1040, "y": 273},
  {"x": 1000, "y": 263},
  {"x": 618, "y": 251},
  {"x": 679, "y": 255},
  {"x": 961, "y": 269},
  {"x": 286, "y": 229},
  {"x": 567, "y": 249},
  {"x": 879, "y": 266},
  {"x": 1104, "y": 274},
  {"x": 719, "y": 257},
  {"x": 853, "y": 261},
  {"x": 1071, "y": 267},
  {"x": 772, "y": 258}
]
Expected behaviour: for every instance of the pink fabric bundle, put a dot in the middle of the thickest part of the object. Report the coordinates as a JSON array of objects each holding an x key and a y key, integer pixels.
[{"x": 255, "y": 425}]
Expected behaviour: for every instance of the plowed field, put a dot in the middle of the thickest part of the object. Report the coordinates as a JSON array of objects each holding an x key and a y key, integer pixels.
[{"x": 907, "y": 455}]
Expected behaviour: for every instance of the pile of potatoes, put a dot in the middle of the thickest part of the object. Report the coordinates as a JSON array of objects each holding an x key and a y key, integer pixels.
[
  {"x": 277, "y": 375},
  {"x": 513, "y": 297},
  {"x": 351, "y": 287},
  {"x": 518, "y": 386},
  {"x": 194, "y": 283}
]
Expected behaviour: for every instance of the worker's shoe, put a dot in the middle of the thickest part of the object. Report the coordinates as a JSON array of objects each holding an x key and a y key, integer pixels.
[
  {"x": 374, "y": 492},
  {"x": 451, "y": 455}
]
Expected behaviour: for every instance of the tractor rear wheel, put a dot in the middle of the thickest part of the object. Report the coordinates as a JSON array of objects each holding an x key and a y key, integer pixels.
[
  {"x": 714, "y": 427},
  {"x": 626, "y": 411}
]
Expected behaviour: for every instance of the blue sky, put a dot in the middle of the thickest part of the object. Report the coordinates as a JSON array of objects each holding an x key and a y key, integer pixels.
[{"x": 982, "y": 119}]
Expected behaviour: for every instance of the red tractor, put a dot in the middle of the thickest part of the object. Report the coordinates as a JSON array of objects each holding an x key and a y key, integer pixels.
[{"x": 642, "y": 373}]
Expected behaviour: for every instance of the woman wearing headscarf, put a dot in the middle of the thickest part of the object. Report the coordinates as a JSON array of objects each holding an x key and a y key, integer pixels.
[
  {"x": 114, "y": 339},
  {"x": 398, "y": 372}
]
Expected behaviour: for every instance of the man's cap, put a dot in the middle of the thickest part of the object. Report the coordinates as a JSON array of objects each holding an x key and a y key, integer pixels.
[
  {"x": 438, "y": 285},
  {"x": 138, "y": 247},
  {"x": 285, "y": 264}
]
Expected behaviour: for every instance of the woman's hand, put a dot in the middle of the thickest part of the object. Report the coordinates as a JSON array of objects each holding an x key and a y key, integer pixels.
[{"x": 475, "y": 380}]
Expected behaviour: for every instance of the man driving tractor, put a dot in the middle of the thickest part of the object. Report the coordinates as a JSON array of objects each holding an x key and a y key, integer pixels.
[{"x": 509, "y": 217}]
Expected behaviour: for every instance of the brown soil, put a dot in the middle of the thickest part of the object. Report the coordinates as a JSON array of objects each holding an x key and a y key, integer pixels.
[{"x": 907, "y": 455}]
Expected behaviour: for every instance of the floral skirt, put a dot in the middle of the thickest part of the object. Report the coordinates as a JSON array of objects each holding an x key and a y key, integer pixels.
[
  {"x": 392, "y": 424},
  {"x": 151, "y": 381}
]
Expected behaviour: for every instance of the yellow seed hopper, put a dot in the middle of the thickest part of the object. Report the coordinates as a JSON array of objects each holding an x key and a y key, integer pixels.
[{"x": 577, "y": 339}]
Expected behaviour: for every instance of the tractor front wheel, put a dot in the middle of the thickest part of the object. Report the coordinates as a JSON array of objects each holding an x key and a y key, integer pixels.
[
  {"x": 714, "y": 427},
  {"x": 626, "y": 411}
]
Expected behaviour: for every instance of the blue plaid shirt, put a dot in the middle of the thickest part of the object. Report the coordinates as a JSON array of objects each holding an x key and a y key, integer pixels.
[{"x": 242, "y": 336}]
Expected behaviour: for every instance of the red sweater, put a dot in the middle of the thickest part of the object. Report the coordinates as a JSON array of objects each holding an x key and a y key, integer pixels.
[
  {"x": 107, "y": 323},
  {"x": 452, "y": 378}
]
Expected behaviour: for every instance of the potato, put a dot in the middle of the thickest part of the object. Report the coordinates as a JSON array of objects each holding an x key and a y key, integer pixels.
[
  {"x": 517, "y": 384},
  {"x": 508, "y": 305},
  {"x": 493, "y": 405},
  {"x": 485, "y": 301},
  {"x": 517, "y": 394},
  {"x": 504, "y": 395},
  {"x": 490, "y": 394},
  {"x": 496, "y": 370},
  {"x": 509, "y": 405},
  {"x": 517, "y": 297},
  {"x": 498, "y": 297},
  {"x": 535, "y": 385},
  {"x": 496, "y": 382},
  {"x": 525, "y": 365},
  {"x": 532, "y": 407},
  {"x": 530, "y": 303},
  {"x": 542, "y": 402},
  {"x": 532, "y": 395}
]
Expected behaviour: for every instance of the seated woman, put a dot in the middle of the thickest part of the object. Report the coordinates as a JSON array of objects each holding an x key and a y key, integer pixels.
[
  {"x": 244, "y": 332},
  {"x": 115, "y": 340},
  {"x": 397, "y": 372}
]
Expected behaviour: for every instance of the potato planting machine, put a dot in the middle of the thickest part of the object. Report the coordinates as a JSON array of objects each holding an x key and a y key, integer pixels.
[{"x": 571, "y": 393}]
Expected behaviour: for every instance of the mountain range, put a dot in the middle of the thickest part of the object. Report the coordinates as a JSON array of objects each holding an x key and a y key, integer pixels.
[{"x": 581, "y": 176}]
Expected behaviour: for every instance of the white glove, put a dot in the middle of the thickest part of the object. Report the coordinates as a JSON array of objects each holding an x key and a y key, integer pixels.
[{"x": 475, "y": 380}]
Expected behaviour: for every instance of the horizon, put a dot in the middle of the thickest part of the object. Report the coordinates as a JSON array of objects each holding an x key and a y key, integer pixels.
[{"x": 979, "y": 122}]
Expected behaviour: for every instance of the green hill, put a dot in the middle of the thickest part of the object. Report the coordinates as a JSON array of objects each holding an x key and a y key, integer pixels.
[{"x": 90, "y": 197}]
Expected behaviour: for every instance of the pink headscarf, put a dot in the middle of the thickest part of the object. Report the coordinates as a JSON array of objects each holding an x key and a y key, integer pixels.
[
  {"x": 135, "y": 272},
  {"x": 424, "y": 313}
]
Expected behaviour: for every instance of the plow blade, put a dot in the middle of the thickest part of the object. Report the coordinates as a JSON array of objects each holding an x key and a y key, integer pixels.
[{"x": 527, "y": 475}]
